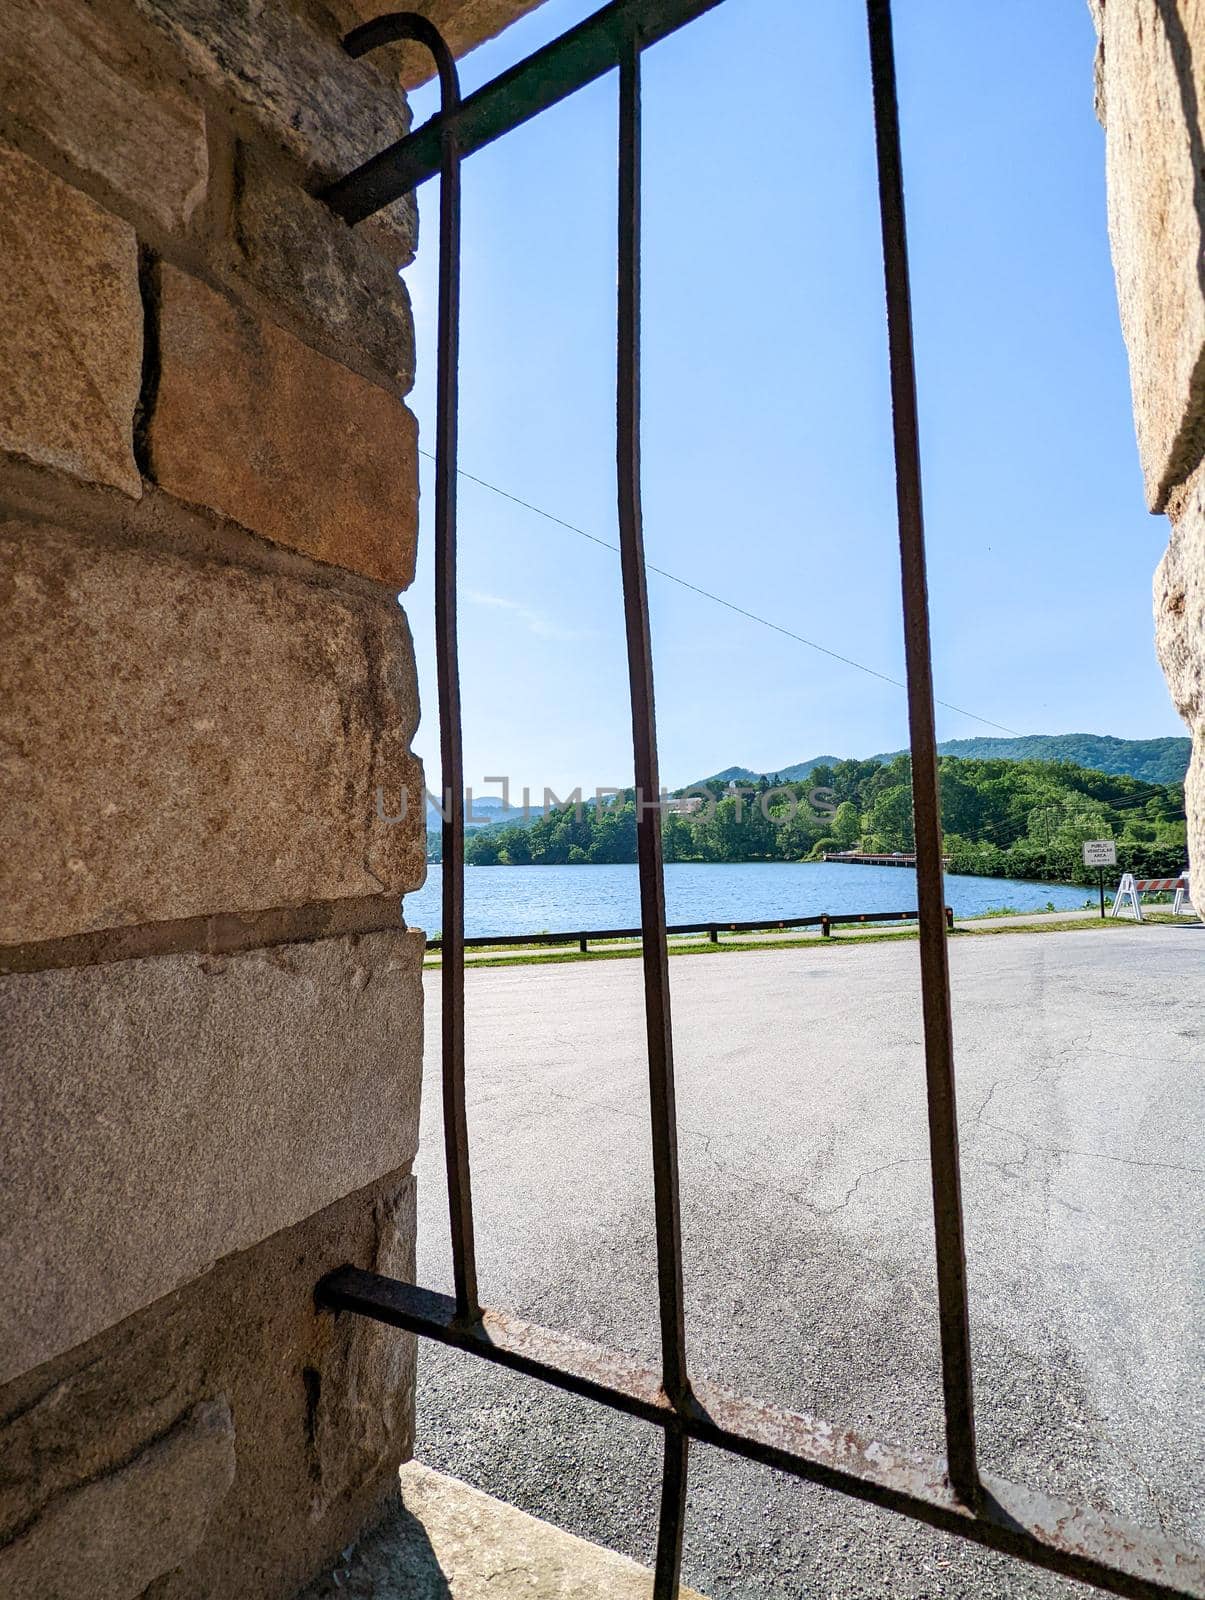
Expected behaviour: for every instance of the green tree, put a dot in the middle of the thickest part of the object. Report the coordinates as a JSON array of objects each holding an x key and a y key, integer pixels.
[
  {"x": 889, "y": 821},
  {"x": 846, "y": 825}
]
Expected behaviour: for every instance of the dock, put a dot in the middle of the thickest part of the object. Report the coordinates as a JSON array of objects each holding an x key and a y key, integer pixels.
[{"x": 896, "y": 858}]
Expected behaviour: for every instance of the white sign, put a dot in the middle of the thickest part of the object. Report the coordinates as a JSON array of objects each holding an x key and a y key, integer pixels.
[{"x": 1100, "y": 853}]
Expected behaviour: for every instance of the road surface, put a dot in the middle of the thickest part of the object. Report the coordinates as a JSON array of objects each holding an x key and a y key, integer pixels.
[{"x": 808, "y": 1239}]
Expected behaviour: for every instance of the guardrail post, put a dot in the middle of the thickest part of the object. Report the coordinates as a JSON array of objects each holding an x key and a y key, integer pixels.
[
  {"x": 950, "y": 918},
  {"x": 581, "y": 944},
  {"x": 713, "y": 933},
  {"x": 826, "y": 925}
]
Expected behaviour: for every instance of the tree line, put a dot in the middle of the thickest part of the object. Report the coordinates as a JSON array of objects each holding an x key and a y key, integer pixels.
[{"x": 1017, "y": 819}]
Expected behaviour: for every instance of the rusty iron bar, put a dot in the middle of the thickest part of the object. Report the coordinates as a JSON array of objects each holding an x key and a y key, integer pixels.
[
  {"x": 644, "y": 738},
  {"x": 654, "y": 943},
  {"x": 1090, "y": 1546},
  {"x": 934, "y": 961},
  {"x": 383, "y": 30},
  {"x": 671, "y": 1519},
  {"x": 547, "y": 76}
]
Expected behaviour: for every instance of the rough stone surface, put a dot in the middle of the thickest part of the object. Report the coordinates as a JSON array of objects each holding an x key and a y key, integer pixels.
[
  {"x": 163, "y": 1113},
  {"x": 252, "y": 422},
  {"x": 70, "y": 328},
  {"x": 1151, "y": 90},
  {"x": 450, "y": 1542},
  {"x": 1180, "y": 641},
  {"x": 207, "y": 738},
  {"x": 293, "y": 78},
  {"x": 355, "y": 1417},
  {"x": 73, "y": 78},
  {"x": 110, "y": 1538},
  {"x": 247, "y": 1330},
  {"x": 338, "y": 279},
  {"x": 1150, "y": 95}
]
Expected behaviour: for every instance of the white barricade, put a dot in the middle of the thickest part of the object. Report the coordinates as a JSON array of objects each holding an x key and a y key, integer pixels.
[{"x": 1132, "y": 889}]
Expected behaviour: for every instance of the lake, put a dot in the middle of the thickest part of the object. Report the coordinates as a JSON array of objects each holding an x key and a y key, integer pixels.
[{"x": 564, "y": 899}]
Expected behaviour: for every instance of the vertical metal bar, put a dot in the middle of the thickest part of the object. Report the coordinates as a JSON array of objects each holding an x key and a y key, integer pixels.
[
  {"x": 456, "y": 1139},
  {"x": 668, "y": 1572},
  {"x": 935, "y": 975},
  {"x": 655, "y": 951},
  {"x": 389, "y": 29}
]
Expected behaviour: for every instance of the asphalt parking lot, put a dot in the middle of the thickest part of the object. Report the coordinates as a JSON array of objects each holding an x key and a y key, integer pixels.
[{"x": 808, "y": 1238}]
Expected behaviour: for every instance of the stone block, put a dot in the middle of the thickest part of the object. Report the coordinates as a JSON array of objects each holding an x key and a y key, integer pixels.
[
  {"x": 70, "y": 328},
  {"x": 161, "y": 1114},
  {"x": 252, "y": 422},
  {"x": 246, "y": 1331},
  {"x": 74, "y": 78},
  {"x": 355, "y": 1422},
  {"x": 1151, "y": 90},
  {"x": 336, "y": 279},
  {"x": 290, "y": 74},
  {"x": 110, "y": 1538},
  {"x": 1180, "y": 642},
  {"x": 208, "y": 739}
]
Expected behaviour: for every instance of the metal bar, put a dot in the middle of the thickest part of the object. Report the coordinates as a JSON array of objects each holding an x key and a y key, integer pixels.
[
  {"x": 655, "y": 950},
  {"x": 577, "y": 934},
  {"x": 654, "y": 946},
  {"x": 447, "y": 649},
  {"x": 386, "y": 30},
  {"x": 547, "y": 76},
  {"x": 1087, "y": 1545},
  {"x": 672, "y": 1520},
  {"x": 935, "y": 974}
]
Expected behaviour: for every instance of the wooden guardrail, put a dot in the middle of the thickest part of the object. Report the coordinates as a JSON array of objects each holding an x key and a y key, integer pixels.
[{"x": 826, "y": 922}]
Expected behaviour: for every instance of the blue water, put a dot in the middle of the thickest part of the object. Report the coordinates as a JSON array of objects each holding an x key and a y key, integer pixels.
[{"x": 556, "y": 899}]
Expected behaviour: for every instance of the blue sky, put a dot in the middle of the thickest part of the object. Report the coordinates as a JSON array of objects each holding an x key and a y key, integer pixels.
[{"x": 768, "y": 474}]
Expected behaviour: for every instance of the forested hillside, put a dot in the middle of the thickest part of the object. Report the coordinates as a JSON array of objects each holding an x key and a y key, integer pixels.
[
  {"x": 1151, "y": 760},
  {"x": 1023, "y": 819}
]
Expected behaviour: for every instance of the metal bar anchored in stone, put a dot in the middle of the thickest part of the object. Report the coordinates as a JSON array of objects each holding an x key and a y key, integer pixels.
[
  {"x": 547, "y": 76},
  {"x": 390, "y": 30}
]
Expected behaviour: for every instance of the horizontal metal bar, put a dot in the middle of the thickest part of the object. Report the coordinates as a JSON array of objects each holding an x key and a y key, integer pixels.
[
  {"x": 683, "y": 927},
  {"x": 1068, "y": 1539},
  {"x": 514, "y": 97}
]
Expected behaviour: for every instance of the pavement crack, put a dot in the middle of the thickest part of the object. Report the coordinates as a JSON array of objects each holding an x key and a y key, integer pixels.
[
  {"x": 1092, "y": 1155},
  {"x": 987, "y": 1100},
  {"x": 870, "y": 1172}
]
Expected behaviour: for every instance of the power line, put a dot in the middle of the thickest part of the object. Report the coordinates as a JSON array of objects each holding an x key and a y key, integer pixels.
[{"x": 719, "y": 600}]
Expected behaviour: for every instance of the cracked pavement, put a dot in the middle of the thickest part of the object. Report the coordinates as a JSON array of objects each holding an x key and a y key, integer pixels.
[{"x": 807, "y": 1231}]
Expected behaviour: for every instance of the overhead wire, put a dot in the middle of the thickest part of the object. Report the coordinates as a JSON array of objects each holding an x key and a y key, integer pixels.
[{"x": 718, "y": 599}]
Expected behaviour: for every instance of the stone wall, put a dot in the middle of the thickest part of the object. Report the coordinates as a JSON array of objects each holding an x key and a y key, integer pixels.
[
  {"x": 1150, "y": 97},
  {"x": 211, "y": 1012}
]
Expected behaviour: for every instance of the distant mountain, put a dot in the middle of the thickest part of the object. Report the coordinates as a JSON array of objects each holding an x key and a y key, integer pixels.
[
  {"x": 804, "y": 769},
  {"x": 795, "y": 774},
  {"x": 488, "y": 812},
  {"x": 730, "y": 775},
  {"x": 1151, "y": 760}
]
